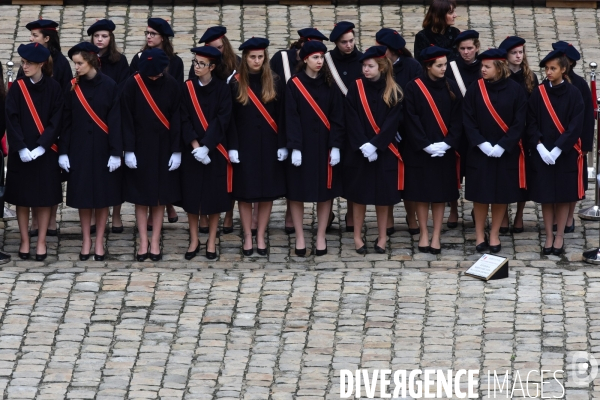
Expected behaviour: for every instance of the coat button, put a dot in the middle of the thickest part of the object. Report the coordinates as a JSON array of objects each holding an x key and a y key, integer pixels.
[{"x": 345, "y": 73}]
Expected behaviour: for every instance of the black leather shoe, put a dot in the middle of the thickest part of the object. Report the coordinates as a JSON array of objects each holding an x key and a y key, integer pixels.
[
  {"x": 261, "y": 252},
  {"x": 424, "y": 249},
  {"x": 248, "y": 253},
  {"x": 84, "y": 257},
  {"x": 558, "y": 252},
  {"x": 378, "y": 250},
  {"x": 504, "y": 230},
  {"x": 349, "y": 228},
  {"x": 41, "y": 257},
  {"x": 362, "y": 250},
  {"x": 191, "y": 254},
  {"x": 433, "y": 250},
  {"x": 227, "y": 229},
  {"x": 92, "y": 229},
  {"x": 289, "y": 230},
  {"x": 390, "y": 231},
  {"x": 203, "y": 229},
  {"x": 4, "y": 258},
  {"x": 300, "y": 252},
  {"x": 412, "y": 231},
  {"x": 155, "y": 257},
  {"x": 142, "y": 257},
  {"x": 452, "y": 225},
  {"x": 321, "y": 252},
  {"x": 210, "y": 255},
  {"x": 33, "y": 233},
  {"x": 496, "y": 249},
  {"x": 570, "y": 229},
  {"x": 517, "y": 230},
  {"x": 24, "y": 256},
  {"x": 483, "y": 246},
  {"x": 51, "y": 232},
  {"x": 99, "y": 257},
  {"x": 173, "y": 220},
  {"x": 547, "y": 250},
  {"x": 253, "y": 231},
  {"x": 117, "y": 229}
]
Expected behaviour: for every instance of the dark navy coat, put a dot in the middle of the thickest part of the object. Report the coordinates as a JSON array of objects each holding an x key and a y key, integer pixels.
[
  {"x": 427, "y": 37},
  {"x": 151, "y": 183},
  {"x": 118, "y": 71},
  {"x": 259, "y": 176},
  {"x": 35, "y": 183},
  {"x": 90, "y": 184},
  {"x": 175, "y": 68},
  {"x": 520, "y": 79},
  {"x": 469, "y": 72},
  {"x": 589, "y": 119},
  {"x": 493, "y": 180},
  {"x": 306, "y": 132},
  {"x": 277, "y": 64},
  {"x": 555, "y": 183},
  {"x": 347, "y": 65},
  {"x": 204, "y": 187},
  {"x": 405, "y": 70},
  {"x": 431, "y": 179},
  {"x": 373, "y": 183}
]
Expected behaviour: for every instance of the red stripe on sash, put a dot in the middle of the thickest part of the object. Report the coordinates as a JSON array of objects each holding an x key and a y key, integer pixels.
[
  {"x": 87, "y": 107},
  {"x": 32, "y": 109},
  {"x": 393, "y": 149},
  {"x": 259, "y": 105},
  {"x": 204, "y": 123},
  {"x": 440, "y": 121},
  {"x": 561, "y": 129},
  {"x": 321, "y": 115},
  {"x": 151, "y": 102},
  {"x": 504, "y": 127}
]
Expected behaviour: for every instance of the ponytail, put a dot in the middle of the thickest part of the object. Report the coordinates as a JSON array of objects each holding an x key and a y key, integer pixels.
[{"x": 452, "y": 95}]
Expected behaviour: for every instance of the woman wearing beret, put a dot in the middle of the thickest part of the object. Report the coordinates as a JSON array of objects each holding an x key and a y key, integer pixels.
[
  {"x": 315, "y": 133},
  {"x": 150, "y": 111},
  {"x": 433, "y": 117},
  {"x": 256, "y": 139},
  {"x": 587, "y": 134},
  {"x": 494, "y": 115},
  {"x": 91, "y": 145},
  {"x": 34, "y": 110},
  {"x": 438, "y": 28},
  {"x": 524, "y": 76},
  {"x": 554, "y": 127},
  {"x": 371, "y": 173},
  {"x": 207, "y": 174},
  {"x": 406, "y": 68}
]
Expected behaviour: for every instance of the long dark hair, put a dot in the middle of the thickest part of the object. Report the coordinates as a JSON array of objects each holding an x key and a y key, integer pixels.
[
  {"x": 54, "y": 42},
  {"x": 435, "y": 19},
  {"x": 113, "y": 52},
  {"x": 401, "y": 52},
  {"x": 298, "y": 43},
  {"x": 301, "y": 66},
  {"x": 167, "y": 46}
]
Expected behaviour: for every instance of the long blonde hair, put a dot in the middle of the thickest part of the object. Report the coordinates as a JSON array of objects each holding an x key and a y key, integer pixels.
[
  {"x": 268, "y": 93},
  {"x": 392, "y": 95},
  {"x": 527, "y": 73}
]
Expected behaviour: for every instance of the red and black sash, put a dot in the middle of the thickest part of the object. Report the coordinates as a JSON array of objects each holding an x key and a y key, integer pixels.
[
  {"x": 32, "y": 109},
  {"x": 440, "y": 121},
  {"x": 323, "y": 118},
  {"x": 87, "y": 107},
  {"x": 204, "y": 122},
  {"x": 504, "y": 127},
  {"x": 259, "y": 105},
  {"x": 576, "y": 146},
  {"x": 151, "y": 102},
  {"x": 393, "y": 149}
]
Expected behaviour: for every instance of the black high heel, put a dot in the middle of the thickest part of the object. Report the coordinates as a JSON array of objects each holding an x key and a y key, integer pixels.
[
  {"x": 433, "y": 250},
  {"x": 390, "y": 231},
  {"x": 24, "y": 256},
  {"x": 84, "y": 257},
  {"x": 261, "y": 252},
  {"x": 99, "y": 257},
  {"x": 496, "y": 249},
  {"x": 570, "y": 229},
  {"x": 483, "y": 246},
  {"x": 41, "y": 257},
  {"x": 504, "y": 230},
  {"x": 561, "y": 250},
  {"x": 412, "y": 231},
  {"x": 203, "y": 229},
  {"x": 211, "y": 255},
  {"x": 191, "y": 254},
  {"x": 424, "y": 249},
  {"x": 300, "y": 252},
  {"x": 321, "y": 252},
  {"x": 227, "y": 229},
  {"x": 143, "y": 257},
  {"x": 378, "y": 250},
  {"x": 117, "y": 229}
]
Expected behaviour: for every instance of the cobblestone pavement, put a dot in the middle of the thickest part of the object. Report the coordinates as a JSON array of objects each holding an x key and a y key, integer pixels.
[{"x": 281, "y": 327}]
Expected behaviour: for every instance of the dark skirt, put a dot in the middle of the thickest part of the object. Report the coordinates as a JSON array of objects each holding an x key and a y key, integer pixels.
[
  {"x": 431, "y": 179},
  {"x": 556, "y": 183},
  {"x": 35, "y": 183}
]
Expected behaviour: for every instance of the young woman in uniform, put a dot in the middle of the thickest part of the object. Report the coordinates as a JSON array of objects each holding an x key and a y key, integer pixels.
[
  {"x": 438, "y": 28},
  {"x": 494, "y": 115},
  {"x": 522, "y": 74},
  {"x": 206, "y": 176},
  {"x": 114, "y": 65},
  {"x": 315, "y": 133},
  {"x": 433, "y": 118},
  {"x": 587, "y": 135},
  {"x": 371, "y": 175},
  {"x": 91, "y": 145},
  {"x": 406, "y": 68},
  {"x": 554, "y": 127},
  {"x": 256, "y": 140},
  {"x": 150, "y": 111},
  {"x": 34, "y": 108}
]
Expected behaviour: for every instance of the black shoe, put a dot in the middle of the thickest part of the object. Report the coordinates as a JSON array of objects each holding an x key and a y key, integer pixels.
[
  {"x": 149, "y": 228},
  {"x": 558, "y": 252},
  {"x": 261, "y": 252},
  {"x": 92, "y": 229},
  {"x": 362, "y": 250},
  {"x": 554, "y": 228},
  {"x": 227, "y": 229},
  {"x": 321, "y": 252},
  {"x": 191, "y": 254},
  {"x": 496, "y": 249},
  {"x": 504, "y": 230},
  {"x": 248, "y": 253},
  {"x": 412, "y": 231},
  {"x": 99, "y": 257},
  {"x": 33, "y": 233},
  {"x": 142, "y": 257},
  {"x": 84, "y": 257},
  {"x": 451, "y": 225},
  {"x": 4, "y": 258},
  {"x": 517, "y": 230},
  {"x": 547, "y": 250},
  {"x": 300, "y": 252},
  {"x": 390, "y": 231},
  {"x": 483, "y": 246},
  {"x": 424, "y": 249},
  {"x": 24, "y": 256},
  {"x": 570, "y": 229},
  {"x": 349, "y": 228},
  {"x": 41, "y": 257},
  {"x": 378, "y": 250},
  {"x": 51, "y": 232},
  {"x": 117, "y": 229},
  {"x": 155, "y": 257},
  {"x": 331, "y": 219},
  {"x": 173, "y": 220},
  {"x": 210, "y": 255},
  {"x": 433, "y": 250},
  {"x": 203, "y": 229},
  {"x": 253, "y": 231},
  {"x": 289, "y": 230}
]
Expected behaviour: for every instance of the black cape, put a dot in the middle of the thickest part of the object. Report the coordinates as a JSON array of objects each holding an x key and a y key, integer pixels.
[
  {"x": 90, "y": 184},
  {"x": 151, "y": 183},
  {"x": 118, "y": 71},
  {"x": 175, "y": 68},
  {"x": 306, "y": 132},
  {"x": 493, "y": 180},
  {"x": 35, "y": 183},
  {"x": 373, "y": 183},
  {"x": 204, "y": 187},
  {"x": 554, "y": 183},
  {"x": 259, "y": 176}
]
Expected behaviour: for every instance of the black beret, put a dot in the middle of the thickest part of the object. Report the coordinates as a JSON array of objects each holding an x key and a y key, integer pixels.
[
  {"x": 433, "y": 52},
  {"x": 311, "y": 33},
  {"x": 570, "y": 50},
  {"x": 312, "y": 47},
  {"x": 511, "y": 42},
  {"x": 339, "y": 29},
  {"x": 209, "y": 52},
  {"x": 255, "y": 43},
  {"x": 161, "y": 26},
  {"x": 42, "y": 24},
  {"x": 493, "y": 54},
  {"x": 391, "y": 39},
  {"x": 153, "y": 62},
  {"x": 373, "y": 52},
  {"x": 83, "y": 46},
  {"x": 101, "y": 25},
  {"x": 34, "y": 52},
  {"x": 466, "y": 35},
  {"x": 552, "y": 55},
  {"x": 213, "y": 33}
]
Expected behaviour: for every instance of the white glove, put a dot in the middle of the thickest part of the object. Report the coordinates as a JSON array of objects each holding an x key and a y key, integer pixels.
[
  {"x": 441, "y": 146},
  {"x": 25, "y": 155},
  {"x": 398, "y": 137},
  {"x": 206, "y": 160},
  {"x": 368, "y": 149},
  {"x": 200, "y": 152},
  {"x": 372, "y": 157},
  {"x": 497, "y": 151},
  {"x": 130, "y": 159},
  {"x": 114, "y": 163},
  {"x": 38, "y": 151},
  {"x": 545, "y": 154},
  {"x": 334, "y": 157},
  {"x": 486, "y": 148},
  {"x": 296, "y": 158},
  {"x": 63, "y": 162},
  {"x": 282, "y": 154},
  {"x": 555, "y": 153},
  {"x": 234, "y": 156},
  {"x": 174, "y": 161},
  {"x": 433, "y": 150}
]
